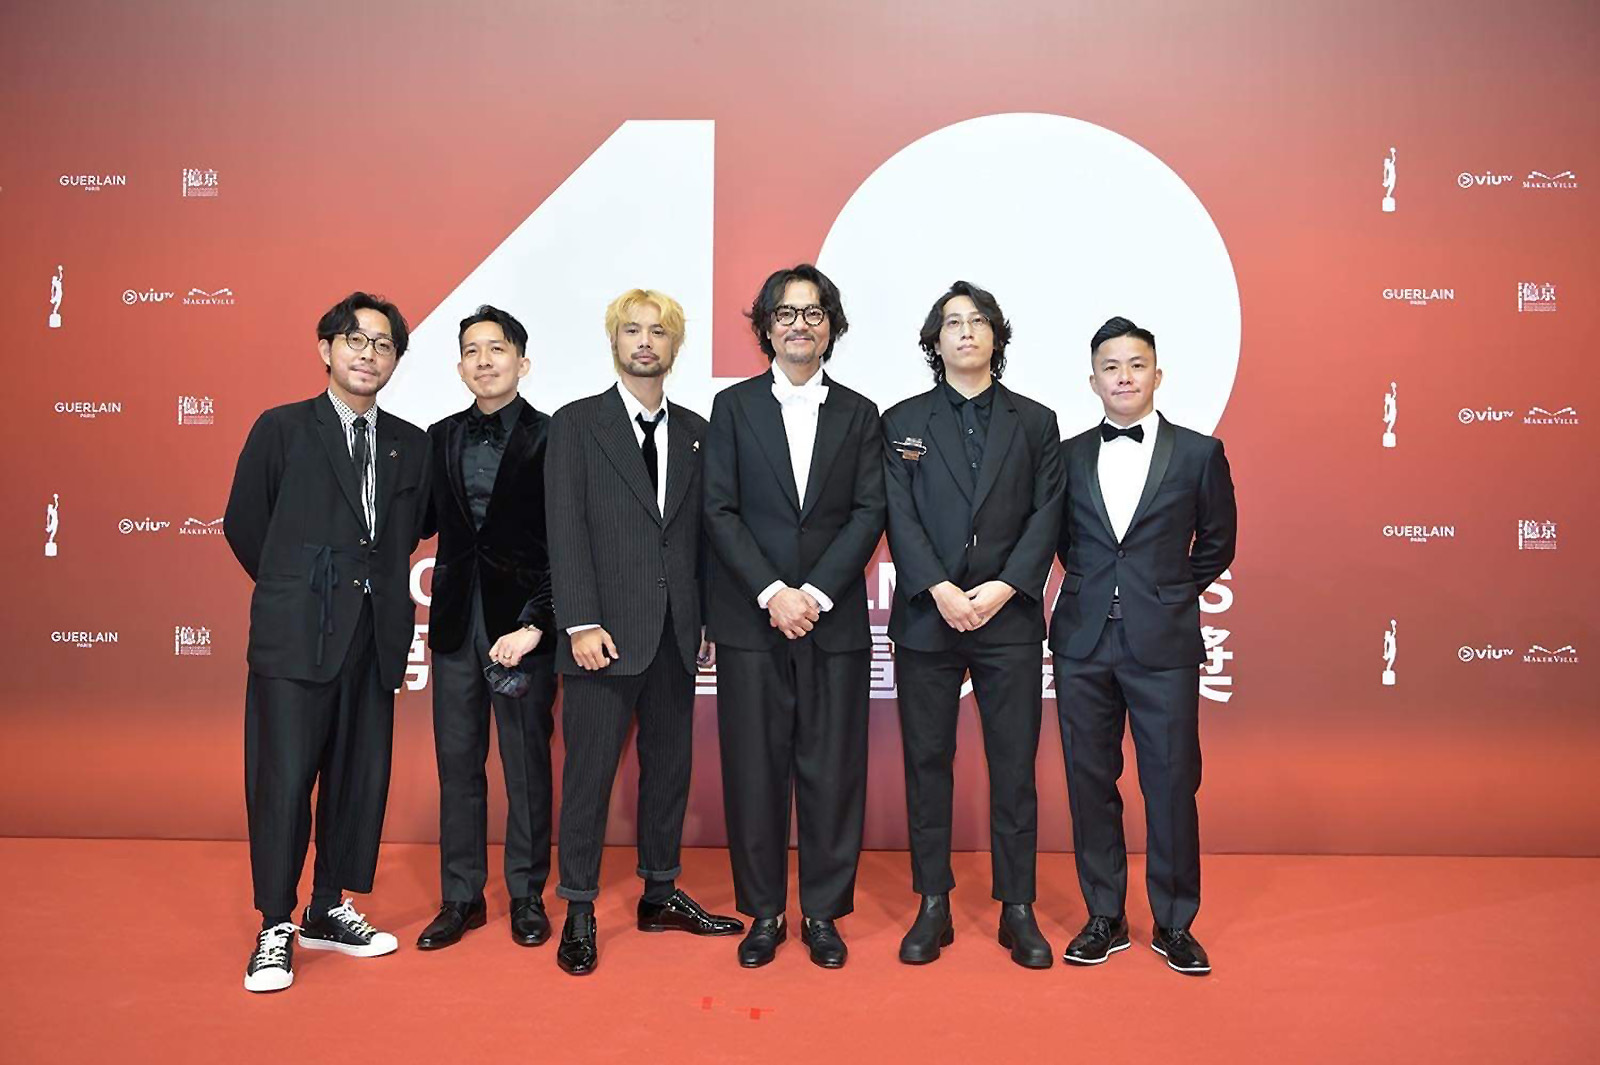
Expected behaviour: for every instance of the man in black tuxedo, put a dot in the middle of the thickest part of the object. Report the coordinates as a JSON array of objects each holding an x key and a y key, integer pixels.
[
  {"x": 491, "y": 611},
  {"x": 623, "y": 504},
  {"x": 794, "y": 509},
  {"x": 973, "y": 474},
  {"x": 1149, "y": 523},
  {"x": 327, "y": 504}
]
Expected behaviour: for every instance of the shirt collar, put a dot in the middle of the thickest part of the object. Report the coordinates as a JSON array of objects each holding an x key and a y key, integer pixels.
[
  {"x": 1151, "y": 423},
  {"x": 636, "y": 409},
  {"x": 982, "y": 399},
  {"x": 347, "y": 416},
  {"x": 816, "y": 387}
]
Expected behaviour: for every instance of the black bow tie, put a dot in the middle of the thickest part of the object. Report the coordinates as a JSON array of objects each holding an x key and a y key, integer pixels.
[
  {"x": 485, "y": 428},
  {"x": 1109, "y": 432}
]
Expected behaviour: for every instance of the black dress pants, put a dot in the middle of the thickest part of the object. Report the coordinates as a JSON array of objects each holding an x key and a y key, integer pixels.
[
  {"x": 596, "y": 713},
  {"x": 335, "y": 737},
  {"x": 1094, "y": 696},
  {"x": 793, "y": 721},
  {"x": 461, "y": 705},
  {"x": 1009, "y": 685}
]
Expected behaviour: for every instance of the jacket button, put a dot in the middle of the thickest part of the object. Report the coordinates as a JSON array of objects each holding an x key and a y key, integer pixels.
[
  {"x": 363, "y": 543},
  {"x": 661, "y": 582},
  {"x": 356, "y": 583},
  {"x": 1122, "y": 554},
  {"x": 663, "y": 541}
]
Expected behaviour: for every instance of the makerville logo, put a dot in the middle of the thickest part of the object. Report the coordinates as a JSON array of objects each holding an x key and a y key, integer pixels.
[
  {"x": 83, "y": 639},
  {"x": 1540, "y": 416},
  {"x": 199, "y": 297},
  {"x": 1565, "y": 655},
  {"x": 1540, "y": 180},
  {"x": 1419, "y": 534},
  {"x": 1483, "y": 654},
  {"x": 1536, "y": 535},
  {"x": 196, "y": 527},
  {"x": 84, "y": 408},
  {"x": 188, "y": 640},
  {"x": 141, "y": 525},
  {"x": 1536, "y": 298},
  {"x": 196, "y": 410},
  {"x": 1468, "y": 181},
  {"x": 1419, "y": 297},
  {"x": 199, "y": 183},
  {"x": 93, "y": 182}
]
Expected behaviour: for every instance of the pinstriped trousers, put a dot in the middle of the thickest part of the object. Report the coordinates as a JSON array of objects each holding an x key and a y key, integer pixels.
[{"x": 597, "y": 712}]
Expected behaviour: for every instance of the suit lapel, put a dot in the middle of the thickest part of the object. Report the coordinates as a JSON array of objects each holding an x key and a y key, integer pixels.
[
  {"x": 681, "y": 453},
  {"x": 833, "y": 418},
  {"x": 455, "y": 432},
  {"x": 615, "y": 437},
  {"x": 1002, "y": 427},
  {"x": 518, "y": 444},
  {"x": 1089, "y": 470},
  {"x": 946, "y": 435},
  {"x": 1159, "y": 461},
  {"x": 766, "y": 423},
  {"x": 385, "y": 470},
  {"x": 338, "y": 449}
]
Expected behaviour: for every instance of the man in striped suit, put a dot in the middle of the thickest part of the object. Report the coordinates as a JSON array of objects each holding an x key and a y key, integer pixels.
[{"x": 622, "y": 495}]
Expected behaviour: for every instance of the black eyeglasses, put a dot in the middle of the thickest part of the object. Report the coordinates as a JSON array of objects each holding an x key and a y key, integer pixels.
[
  {"x": 814, "y": 315},
  {"x": 358, "y": 341}
]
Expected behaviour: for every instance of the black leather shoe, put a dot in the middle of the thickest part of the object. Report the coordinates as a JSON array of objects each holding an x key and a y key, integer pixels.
[
  {"x": 452, "y": 923},
  {"x": 680, "y": 913},
  {"x": 1182, "y": 951},
  {"x": 578, "y": 953},
  {"x": 1101, "y": 937},
  {"x": 761, "y": 944},
  {"x": 1019, "y": 932},
  {"x": 826, "y": 945},
  {"x": 931, "y": 931},
  {"x": 530, "y": 925}
]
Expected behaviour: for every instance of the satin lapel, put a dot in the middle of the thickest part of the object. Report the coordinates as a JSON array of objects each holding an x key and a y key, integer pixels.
[
  {"x": 681, "y": 457},
  {"x": 1002, "y": 427},
  {"x": 1159, "y": 461},
  {"x": 1089, "y": 471},
  {"x": 333, "y": 441},
  {"x": 386, "y": 461},
  {"x": 454, "y": 443},
  {"x": 946, "y": 436},
  {"x": 615, "y": 437},
  {"x": 833, "y": 419},
  {"x": 765, "y": 417},
  {"x": 518, "y": 445}
]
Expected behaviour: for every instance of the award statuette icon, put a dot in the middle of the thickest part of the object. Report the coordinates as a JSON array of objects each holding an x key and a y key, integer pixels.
[
  {"x": 52, "y": 522},
  {"x": 1388, "y": 654},
  {"x": 1389, "y": 399},
  {"x": 1388, "y": 183},
  {"x": 55, "y": 298}
]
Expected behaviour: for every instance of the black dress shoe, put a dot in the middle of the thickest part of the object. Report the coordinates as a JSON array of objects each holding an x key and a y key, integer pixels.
[
  {"x": 680, "y": 913},
  {"x": 530, "y": 925},
  {"x": 578, "y": 953},
  {"x": 1101, "y": 937},
  {"x": 452, "y": 923},
  {"x": 1182, "y": 951},
  {"x": 826, "y": 945},
  {"x": 931, "y": 931},
  {"x": 761, "y": 944},
  {"x": 1020, "y": 933}
]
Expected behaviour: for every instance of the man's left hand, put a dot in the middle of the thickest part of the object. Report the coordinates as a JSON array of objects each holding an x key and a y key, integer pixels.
[{"x": 509, "y": 649}]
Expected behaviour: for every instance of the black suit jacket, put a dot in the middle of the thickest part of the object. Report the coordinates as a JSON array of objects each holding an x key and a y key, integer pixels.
[
  {"x": 615, "y": 560},
  {"x": 1181, "y": 538},
  {"x": 943, "y": 528},
  {"x": 763, "y": 532},
  {"x": 295, "y": 523},
  {"x": 506, "y": 557}
]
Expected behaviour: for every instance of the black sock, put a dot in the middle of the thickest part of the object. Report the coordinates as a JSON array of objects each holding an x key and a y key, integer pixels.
[
  {"x": 576, "y": 907},
  {"x": 323, "y": 900},
  {"x": 269, "y": 922},
  {"x": 658, "y": 891}
]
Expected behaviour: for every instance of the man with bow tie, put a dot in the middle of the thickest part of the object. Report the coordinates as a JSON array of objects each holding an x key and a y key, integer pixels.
[
  {"x": 491, "y": 611},
  {"x": 1149, "y": 522},
  {"x": 794, "y": 508}
]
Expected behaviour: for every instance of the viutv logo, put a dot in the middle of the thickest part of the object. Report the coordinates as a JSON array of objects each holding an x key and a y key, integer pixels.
[
  {"x": 1536, "y": 535},
  {"x": 1565, "y": 655},
  {"x": 84, "y": 408},
  {"x": 1537, "y": 179},
  {"x": 1483, "y": 654},
  {"x": 1533, "y": 297},
  {"x": 196, "y": 527},
  {"x": 190, "y": 640},
  {"x": 1419, "y": 297},
  {"x": 93, "y": 182},
  {"x": 199, "y": 183},
  {"x": 84, "y": 639},
  {"x": 1469, "y": 181},
  {"x": 1540, "y": 416},
  {"x": 141, "y": 525},
  {"x": 1468, "y": 416},
  {"x": 1419, "y": 534},
  {"x": 131, "y": 296},
  {"x": 1390, "y": 412},
  {"x": 196, "y": 410},
  {"x": 199, "y": 297}
]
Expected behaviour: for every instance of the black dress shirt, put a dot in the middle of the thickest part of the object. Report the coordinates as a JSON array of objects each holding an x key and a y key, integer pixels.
[
  {"x": 481, "y": 453},
  {"x": 973, "y": 417}
]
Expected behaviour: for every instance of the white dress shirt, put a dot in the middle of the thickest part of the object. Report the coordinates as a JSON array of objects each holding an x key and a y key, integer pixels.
[
  {"x": 800, "y": 404},
  {"x": 1124, "y": 467},
  {"x": 369, "y": 487}
]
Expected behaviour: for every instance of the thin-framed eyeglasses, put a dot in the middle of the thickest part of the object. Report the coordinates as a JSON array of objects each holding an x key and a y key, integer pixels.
[
  {"x": 975, "y": 322},
  {"x": 358, "y": 341},
  {"x": 813, "y": 315}
]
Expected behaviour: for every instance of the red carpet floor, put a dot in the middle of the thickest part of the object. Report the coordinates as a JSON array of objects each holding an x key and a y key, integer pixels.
[{"x": 134, "y": 951}]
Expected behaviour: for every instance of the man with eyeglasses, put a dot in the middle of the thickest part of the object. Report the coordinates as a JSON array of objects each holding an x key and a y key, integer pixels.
[
  {"x": 328, "y": 499},
  {"x": 974, "y": 480},
  {"x": 794, "y": 509}
]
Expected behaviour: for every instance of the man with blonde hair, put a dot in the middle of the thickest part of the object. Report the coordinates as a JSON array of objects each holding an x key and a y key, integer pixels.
[{"x": 623, "y": 505}]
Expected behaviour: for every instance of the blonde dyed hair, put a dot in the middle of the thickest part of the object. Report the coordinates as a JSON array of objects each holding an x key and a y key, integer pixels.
[{"x": 622, "y": 308}]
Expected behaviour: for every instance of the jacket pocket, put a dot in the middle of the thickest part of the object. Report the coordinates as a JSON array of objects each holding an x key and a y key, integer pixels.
[
  {"x": 1177, "y": 593},
  {"x": 1071, "y": 583}
]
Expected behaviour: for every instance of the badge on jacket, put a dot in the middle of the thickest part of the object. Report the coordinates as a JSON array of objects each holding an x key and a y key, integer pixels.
[{"x": 911, "y": 448}]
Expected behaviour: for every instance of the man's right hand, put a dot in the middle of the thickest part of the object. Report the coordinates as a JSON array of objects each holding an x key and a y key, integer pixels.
[
  {"x": 954, "y": 606},
  {"x": 792, "y": 612},
  {"x": 592, "y": 649}
]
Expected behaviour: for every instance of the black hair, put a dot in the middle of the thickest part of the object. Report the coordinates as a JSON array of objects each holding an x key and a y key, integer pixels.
[
  {"x": 987, "y": 306},
  {"x": 341, "y": 319},
  {"x": 767, "y": 303},
  {"x": 512, "y": 328},
  {"x": 1120, "y": 327}
]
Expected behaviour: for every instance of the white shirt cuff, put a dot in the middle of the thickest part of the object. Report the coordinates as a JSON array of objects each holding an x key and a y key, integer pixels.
[
  {"x": 768, "y": 592},
  {"x": 579, "y": 628},
  {"x": 823, "y": 602}
]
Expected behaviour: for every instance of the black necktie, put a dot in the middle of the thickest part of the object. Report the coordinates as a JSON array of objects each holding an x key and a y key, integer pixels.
[
  {"x": 485, "y": 428},
  {"x": 1109, "y": 432},
  {"x": 649, "y": 446},
  {"x": 361, "y": 457}
]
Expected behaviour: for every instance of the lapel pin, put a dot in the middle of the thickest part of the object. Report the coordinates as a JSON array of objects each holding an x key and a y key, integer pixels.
[
  {"x": 394, "y": 454},
  {"x": 694, "y": 445},
  {"x": 912, "y": 448}
]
